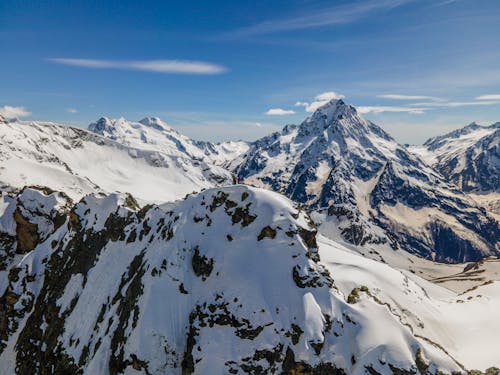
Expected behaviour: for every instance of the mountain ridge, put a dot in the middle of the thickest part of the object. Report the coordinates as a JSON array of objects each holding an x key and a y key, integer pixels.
[
  {"x": 470, "y": 157},
  {"x": 80, "y": 162},
  {"x": 154, "y": 134}
]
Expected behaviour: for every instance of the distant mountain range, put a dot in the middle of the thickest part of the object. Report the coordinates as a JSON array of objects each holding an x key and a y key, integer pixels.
[
  {"x": 151, "y": 133},
  {"x": 80, "y": 162}
]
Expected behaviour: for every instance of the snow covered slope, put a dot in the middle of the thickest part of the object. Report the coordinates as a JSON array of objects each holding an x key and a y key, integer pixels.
[
  {"x": 367, "y": 188},
  {"x": 151, "y": 133},
  {"x": 470, "y": 157},
  {"x": 225, "y": 281},
  {"x": 464, "y": 322},
  {"x": 79, "y": 162}
]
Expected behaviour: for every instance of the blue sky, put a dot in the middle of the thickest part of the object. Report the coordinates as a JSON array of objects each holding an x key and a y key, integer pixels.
[{"x": 240, "y": 69}]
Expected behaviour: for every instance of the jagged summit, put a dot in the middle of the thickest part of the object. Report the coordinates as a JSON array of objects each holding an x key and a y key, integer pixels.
[
  {"x": 333, "y": 107},
  {"x": 335, "y": 114},
  {"x": 102, "y": 126}
]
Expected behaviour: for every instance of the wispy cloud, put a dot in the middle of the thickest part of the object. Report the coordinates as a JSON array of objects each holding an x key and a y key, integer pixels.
[
  {"x": 410, "y": 97},
  {"x": 488, "y": 97},
  {"x": 279, "y": 112},
  {"x": 445, "y": 2},
  {"x": 337, "y": 15},
  {"x": 72, "y": 110},
  {"x": 381, "y": 109},
  {"x": 159, "y": 66},
  {"x": 419, "y": 108},
  {"x": 319, "y": 101},
  {"x": 431, "y": 103},
  {"x": 8, "y": 111},
  {"x": 455, "y": 104}
]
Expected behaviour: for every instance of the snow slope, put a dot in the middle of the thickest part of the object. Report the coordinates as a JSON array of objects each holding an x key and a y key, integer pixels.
[
  {"x": 463, "y": 321},
  {"x": 225, "y": 281},
  {"x": 366, "y": 188},
  {"x": 78, "y": 162}
]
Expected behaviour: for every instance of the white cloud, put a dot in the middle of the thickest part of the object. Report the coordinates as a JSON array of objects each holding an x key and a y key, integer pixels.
[
  {"x": 409, "y": 97},
  {"x": 319, "y": 101},
  {"x": 488, "y": 97},
  {"x": 8, "y": 111},
  {"x": 329, "y": 95},
  {"x": 380, "y": 109},
  {"x": 159, "y": 66},
  {"x": 258, "y": 124},
  {"x": 279, "y": 112},
  {"x": 72, "y": 110}
]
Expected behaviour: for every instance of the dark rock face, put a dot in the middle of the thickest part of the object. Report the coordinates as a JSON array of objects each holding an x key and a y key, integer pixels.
[
  {"x": 26, "y": 232},
  {"x": 339, "y": 163}
]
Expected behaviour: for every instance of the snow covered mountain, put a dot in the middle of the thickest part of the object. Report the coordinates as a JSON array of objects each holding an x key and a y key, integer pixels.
[
  {"x": 225, "y": 281},
  {"x": 236, "y": 279},
  {"x": 470, "y": 157},
  {"x": 366, "y": 187},
  {"x": 79, "y": 162},
  {"x": 151, "y": 133}
]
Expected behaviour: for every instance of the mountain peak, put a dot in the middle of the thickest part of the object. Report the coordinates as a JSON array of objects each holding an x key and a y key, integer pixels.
[
  {"x": 336, "y": 109},
  {"x": 334, "y": 113},
  {"x": 331, "y": 106},
  {"x": 104, "y": 124},
  {"x": 154, "y": 122}
]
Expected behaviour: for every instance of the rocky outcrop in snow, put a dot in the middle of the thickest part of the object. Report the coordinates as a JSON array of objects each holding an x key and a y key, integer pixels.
[{"x": 226, "y": 281}]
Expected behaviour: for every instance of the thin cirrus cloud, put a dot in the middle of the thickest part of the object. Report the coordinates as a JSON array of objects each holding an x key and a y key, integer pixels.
[
  {"x": 410, "y": 97},
  {"x": 420, "y": 108},
  {"x": 279, "y": 112},
  {"x": 337, "y": 15},
  {"x": 72, "y": 110},
  {"x": 431, "y": 103},
  {"x": 488, "y": 97},
  {"x": 455, "y": 104},
  {"x": 319, "y": 100},
  {"x": 158, "y": 66},
  {"x": 9, "y": 112},
  {"x": 381, "y": 109}
]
